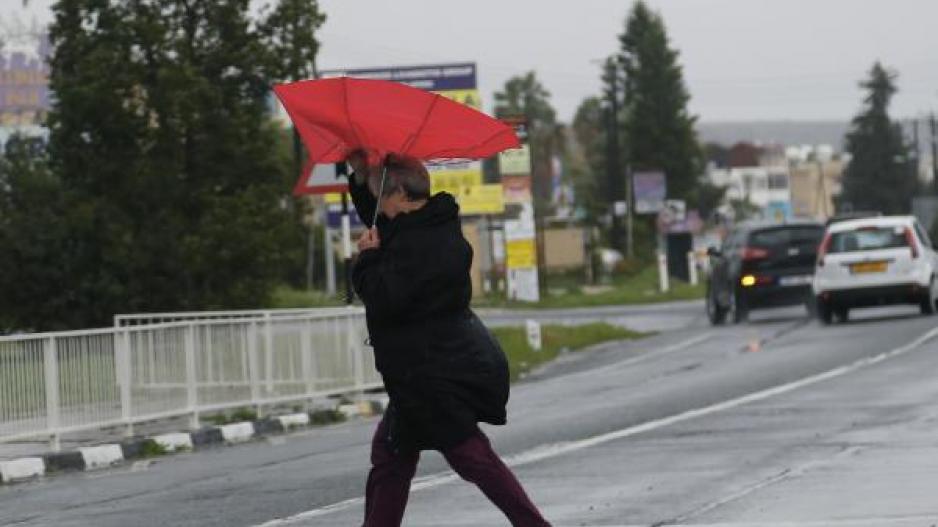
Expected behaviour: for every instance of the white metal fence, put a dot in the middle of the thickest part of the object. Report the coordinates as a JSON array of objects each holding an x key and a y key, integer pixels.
[{"x": 146, "y": 368}]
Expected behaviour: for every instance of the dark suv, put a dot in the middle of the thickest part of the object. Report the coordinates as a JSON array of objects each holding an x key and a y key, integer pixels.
[{"x": 762, "y": 265}]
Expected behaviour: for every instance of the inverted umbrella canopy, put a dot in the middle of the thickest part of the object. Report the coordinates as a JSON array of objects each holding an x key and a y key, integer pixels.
[{"x": 339, "y": 115}]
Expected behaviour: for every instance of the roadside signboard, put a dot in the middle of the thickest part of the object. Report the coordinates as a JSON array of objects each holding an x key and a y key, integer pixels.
[
  {"x": 482, "y": 199},
  {"x": 24, "y": 83},
  {"x": 321, "y": 180},
  {"x": 516, "y": 161},
  {"x": 649, "y": 191}
]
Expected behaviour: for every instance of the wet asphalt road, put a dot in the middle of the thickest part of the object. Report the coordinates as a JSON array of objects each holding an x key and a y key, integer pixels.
[{"x": 757, "y": 462}]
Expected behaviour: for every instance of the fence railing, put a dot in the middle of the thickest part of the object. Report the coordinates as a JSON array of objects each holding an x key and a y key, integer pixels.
[
  {"x": 56, "y": 383},
  {"x": 138, "y": 319}
]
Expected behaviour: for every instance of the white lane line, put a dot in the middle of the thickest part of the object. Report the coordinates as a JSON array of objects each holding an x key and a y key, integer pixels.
[
  {"x": 543, "y": 452},
  {"x": 666, "y": 351},
  {"x": 614, "y": 367}
]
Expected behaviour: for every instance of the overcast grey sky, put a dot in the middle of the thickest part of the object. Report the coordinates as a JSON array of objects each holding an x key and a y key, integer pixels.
[{"x": 743, "y": 59}]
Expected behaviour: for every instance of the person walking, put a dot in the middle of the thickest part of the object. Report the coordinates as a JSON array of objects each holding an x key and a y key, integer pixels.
[{"x": 443, "y": 370}]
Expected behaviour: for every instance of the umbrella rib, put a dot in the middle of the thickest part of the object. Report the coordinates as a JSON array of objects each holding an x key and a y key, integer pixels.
[{"x": 413, "y": 137}]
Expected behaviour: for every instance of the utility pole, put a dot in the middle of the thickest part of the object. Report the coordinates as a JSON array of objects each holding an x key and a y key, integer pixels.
[
  {"x": 613, "y": 157},
  {"x": 933, "y": 125}
]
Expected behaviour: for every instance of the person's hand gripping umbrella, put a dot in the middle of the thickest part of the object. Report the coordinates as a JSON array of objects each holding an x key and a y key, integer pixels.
[{"x": 338, "y": 116}]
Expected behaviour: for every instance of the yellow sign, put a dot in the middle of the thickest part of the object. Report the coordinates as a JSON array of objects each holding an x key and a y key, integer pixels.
[
  {"x": 481, "y": 199},
  {"x": 520, "y": 254},
  {"x": 453, "y": 180},
  {"x": 468, "y": 97}
]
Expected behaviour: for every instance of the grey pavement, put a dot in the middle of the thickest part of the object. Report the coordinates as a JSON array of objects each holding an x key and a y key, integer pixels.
[{"x": 757, "y": 462}]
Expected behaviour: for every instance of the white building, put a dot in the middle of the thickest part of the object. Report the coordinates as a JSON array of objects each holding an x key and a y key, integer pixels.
[{"x": 761, "y": 186}]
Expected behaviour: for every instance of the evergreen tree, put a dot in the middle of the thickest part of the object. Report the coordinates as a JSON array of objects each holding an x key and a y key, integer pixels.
[
  {"x": 37, "y": 250},
  {"x": 880, "y": 176},
  {"x": 589, "y": 167},
  {"x": 161, "y": 137},
  {"x": 658, "y": 127}
]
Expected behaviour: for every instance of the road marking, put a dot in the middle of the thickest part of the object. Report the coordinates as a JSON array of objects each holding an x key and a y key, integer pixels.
[
  {"x": 614, "y": 367},
  {"x": 548, "y": 451}
]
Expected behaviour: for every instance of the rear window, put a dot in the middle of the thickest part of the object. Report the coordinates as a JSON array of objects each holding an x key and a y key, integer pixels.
[
  {"x": 786, "y": 236},
  {"x": 868, "y": 239}
]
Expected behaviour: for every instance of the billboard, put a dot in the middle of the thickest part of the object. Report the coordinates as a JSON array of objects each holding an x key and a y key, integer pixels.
[
  {"x": 649, "y": 190},
  {"x": 24, "y": 84}
]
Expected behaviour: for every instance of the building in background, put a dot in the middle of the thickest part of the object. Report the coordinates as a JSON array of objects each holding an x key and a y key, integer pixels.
[
  {"x": 778, "y": 183},
  {"x": 816, "y": 175},
  {"x": 758, "y": 176}
]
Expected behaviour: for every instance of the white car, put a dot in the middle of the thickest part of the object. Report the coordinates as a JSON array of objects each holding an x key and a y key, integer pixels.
[{"x": 874, "y": 262}]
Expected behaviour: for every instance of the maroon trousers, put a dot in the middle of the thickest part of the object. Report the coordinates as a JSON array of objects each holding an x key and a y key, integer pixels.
[{"x": 474, "y": 460}]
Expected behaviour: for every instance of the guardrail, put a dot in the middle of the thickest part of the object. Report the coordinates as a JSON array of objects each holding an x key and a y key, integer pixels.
[{"x": 57, "y": 383}]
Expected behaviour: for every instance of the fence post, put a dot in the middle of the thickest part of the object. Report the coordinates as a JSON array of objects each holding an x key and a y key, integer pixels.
[
  {"x": 269, "y": 356},
  {"x": 51, "y": 364},
  {"x": 253, "y": 373},
  {"x": 663, "y": 272},
  {"x": 192, "y": 392},
  {"x": 122, "y": 356},
  {"x": 692, "y": 267},
  {"x": 356, "y": 348},
  {"x": 306, "y": 357}
]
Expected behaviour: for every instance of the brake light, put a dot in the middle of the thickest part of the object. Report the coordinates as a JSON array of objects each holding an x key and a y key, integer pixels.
[
  {"x": 910, "y": 239},
  {"x": 753, "y": 253},
  {"x": 823, "y": 248}
]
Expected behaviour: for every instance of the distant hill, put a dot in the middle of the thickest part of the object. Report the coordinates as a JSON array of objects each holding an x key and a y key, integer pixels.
[{"x": 787, "y": 133}]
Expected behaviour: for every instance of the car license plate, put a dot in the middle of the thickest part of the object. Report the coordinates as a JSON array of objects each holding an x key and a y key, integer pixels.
[
  {"x": 794, "y": 280},
  {"x": 868, "y": 267}
]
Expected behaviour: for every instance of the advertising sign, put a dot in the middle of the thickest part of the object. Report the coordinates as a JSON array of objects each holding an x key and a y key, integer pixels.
[
  {"x": 521, "y": 254},
  {"x": 516, "y": 161},
  {"x": 321, "y": 180},
  {"x": 24, "y": 84},
  {"x": 454, "y": 177},
  {"x": 482, "y": 199},
  {"x": 649, "y": 190},
  {"x": 522, "y": 284},
  {"x": 517, "y": 189}
]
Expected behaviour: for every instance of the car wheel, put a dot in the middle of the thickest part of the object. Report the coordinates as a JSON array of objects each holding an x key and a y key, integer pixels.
[
  {"x": 842, "y": 314},
  {"x": 824, "y": 312},
  {"x": 927, "y": 305},
  {"x": 739, "y": 308},
  {"x": 811, "y": 306},
  {"x": 715, "y": 312}
]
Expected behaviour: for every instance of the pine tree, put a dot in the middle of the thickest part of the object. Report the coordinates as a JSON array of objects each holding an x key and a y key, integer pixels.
[
  {"x": 659, "y": 129},
  {"x": 880, "y": 176}
]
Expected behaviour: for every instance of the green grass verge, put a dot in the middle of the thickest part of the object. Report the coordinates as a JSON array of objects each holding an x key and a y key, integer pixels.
[
  {"x": 640, "y": 288},
  {"x": 521, "y": 358},
  {"x": 285, "y": 297}
]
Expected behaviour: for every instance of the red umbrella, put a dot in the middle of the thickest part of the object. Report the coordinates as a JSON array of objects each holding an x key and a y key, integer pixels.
[{"x": 337, "y": 116}]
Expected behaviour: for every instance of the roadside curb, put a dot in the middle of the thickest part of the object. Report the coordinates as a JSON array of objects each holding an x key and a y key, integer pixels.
[{"x": 113, "y": 454}]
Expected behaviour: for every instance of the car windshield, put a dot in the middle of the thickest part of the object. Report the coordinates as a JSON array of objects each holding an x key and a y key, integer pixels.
[
  {"x": 867, "y": 239},
  {"x": 786, "y": 236}
]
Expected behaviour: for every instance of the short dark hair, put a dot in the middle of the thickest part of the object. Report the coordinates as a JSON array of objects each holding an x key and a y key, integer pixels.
[{"x": 405, "y": 174}]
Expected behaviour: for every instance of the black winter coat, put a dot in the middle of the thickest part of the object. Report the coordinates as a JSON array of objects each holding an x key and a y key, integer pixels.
[{"x": 443, "y": 370}]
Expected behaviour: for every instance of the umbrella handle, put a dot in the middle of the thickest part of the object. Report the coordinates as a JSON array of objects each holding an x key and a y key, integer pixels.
[{"x": 384, "y": 173}]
